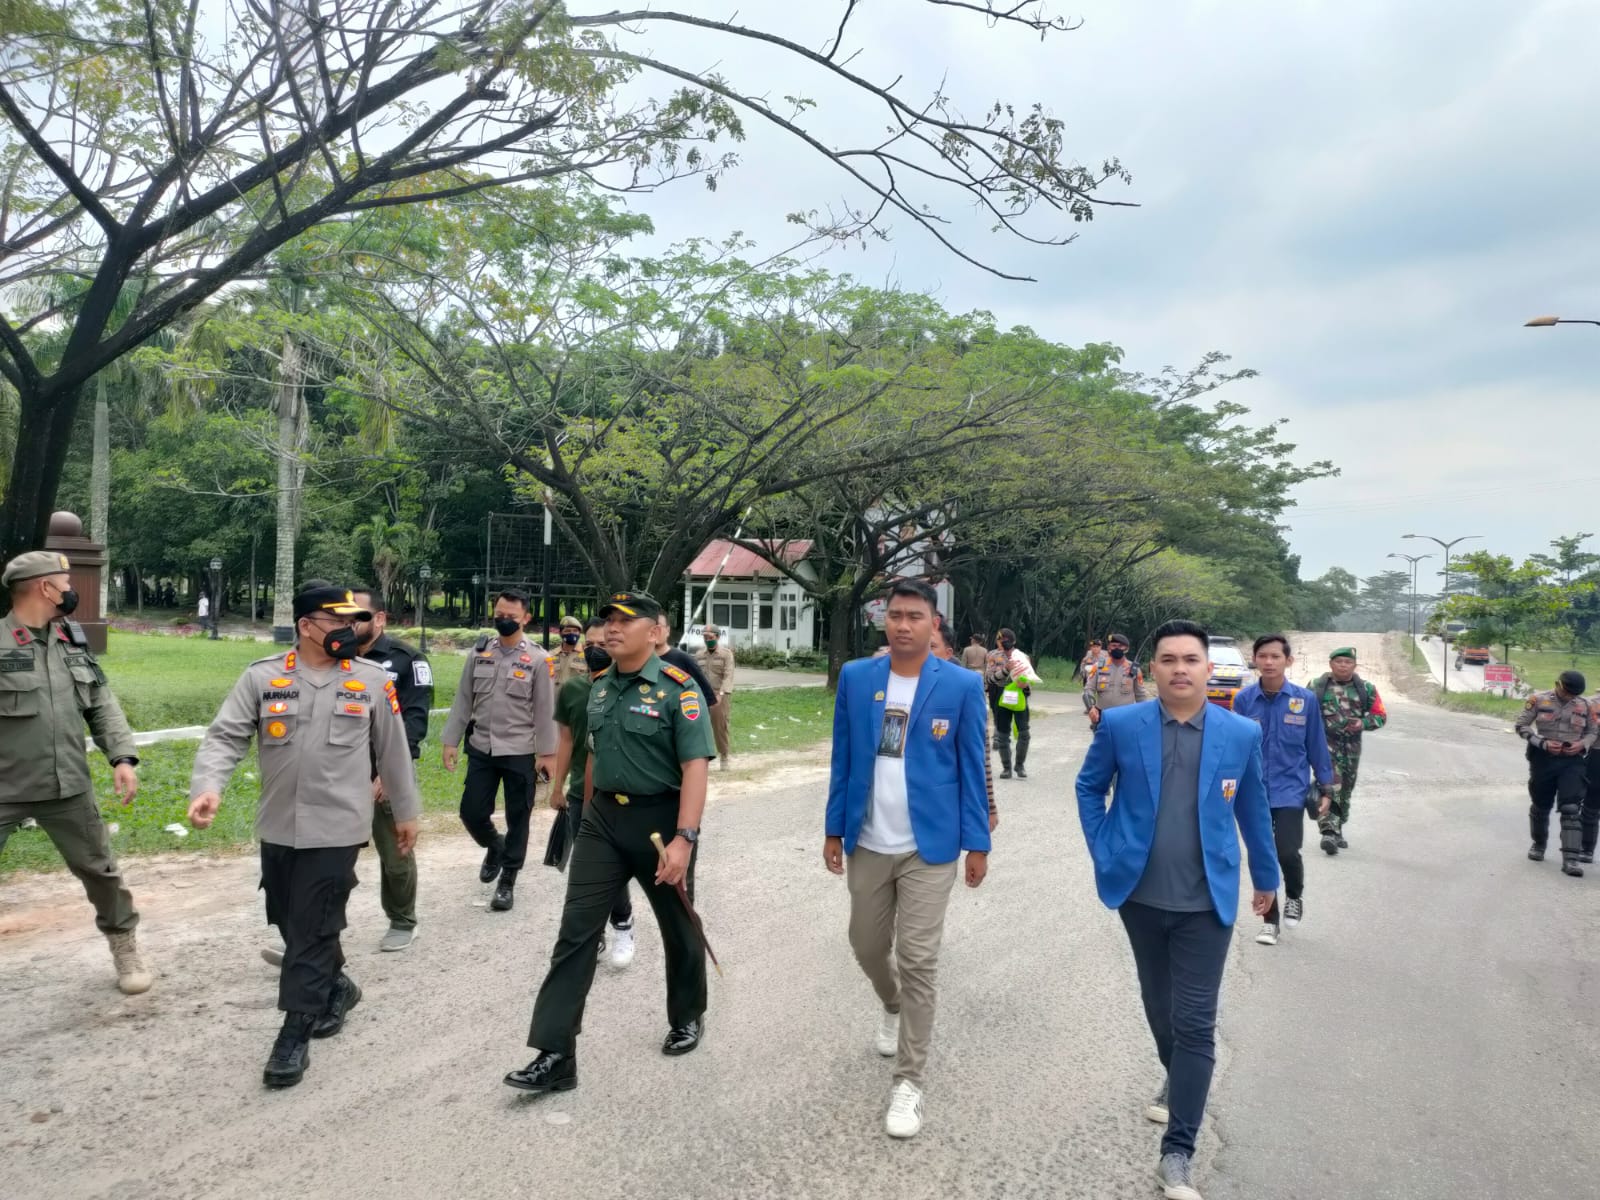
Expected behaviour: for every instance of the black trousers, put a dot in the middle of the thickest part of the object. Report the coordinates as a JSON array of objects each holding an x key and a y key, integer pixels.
[
  {"x": 622, "y": 910},
  {"x": 1289, "y": 832},
  {"x": 614, "y": 846},
  {"x": 1180, "y": 956},
  {"x": 1003, "y": 718},
  {"x": 485, "y": 774},
  {"x": 1591, "y": 804},
  {"x": 1557, "y": 781},
  {"x": 306, "y": 895}
]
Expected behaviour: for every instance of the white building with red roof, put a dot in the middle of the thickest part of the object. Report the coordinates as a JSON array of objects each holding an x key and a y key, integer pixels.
[{"x": 751, "y": 600}]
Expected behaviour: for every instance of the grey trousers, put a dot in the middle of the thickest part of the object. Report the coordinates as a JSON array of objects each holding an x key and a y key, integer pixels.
[{"x": 897, "y": 907}]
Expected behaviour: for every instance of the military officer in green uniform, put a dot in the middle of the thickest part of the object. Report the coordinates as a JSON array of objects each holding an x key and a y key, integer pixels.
[
  {"x": 50, "y": 688},
  {"x": 651, "y": 743}
]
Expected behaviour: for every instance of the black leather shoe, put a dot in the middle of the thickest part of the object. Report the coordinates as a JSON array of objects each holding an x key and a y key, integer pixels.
[
  {"x": 503, "y": 895},
  {"x": 346, "y": 995},
  {"x": 1005, "y": 773},
  {"x": 547, "y": 1073},
  {"x": 291, "y": 1053},
  {"x": 1536, "y": 852},
  {"x": 683, "y": 1038},
  {"x": 490, "y": 870},
  {"x": 1021, "y": 772},
  {"x": 1569, "y": 866}
]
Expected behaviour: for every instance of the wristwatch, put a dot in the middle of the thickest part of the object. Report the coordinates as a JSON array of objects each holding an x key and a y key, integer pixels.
[
  {"x": 126, "y": 758},
  {"x": 692, "y": 836}
]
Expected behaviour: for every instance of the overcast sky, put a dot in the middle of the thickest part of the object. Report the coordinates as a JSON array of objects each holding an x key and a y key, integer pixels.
[{"x": 1362, "y": 200}]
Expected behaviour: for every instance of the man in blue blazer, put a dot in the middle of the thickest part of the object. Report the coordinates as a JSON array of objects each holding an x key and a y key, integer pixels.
[
  {"x": 1183, "y": 777},
  {"x": 906, "y": 796}
]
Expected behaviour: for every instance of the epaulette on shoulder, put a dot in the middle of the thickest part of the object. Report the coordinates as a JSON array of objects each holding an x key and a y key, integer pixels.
[{"x": 676, "y": 673}]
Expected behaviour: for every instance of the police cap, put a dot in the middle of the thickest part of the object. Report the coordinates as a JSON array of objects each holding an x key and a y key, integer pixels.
[{"x": 337, "y": 601}]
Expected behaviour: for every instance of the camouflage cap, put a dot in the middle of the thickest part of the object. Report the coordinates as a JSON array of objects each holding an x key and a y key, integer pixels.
[{"x": 34, "y": 564}]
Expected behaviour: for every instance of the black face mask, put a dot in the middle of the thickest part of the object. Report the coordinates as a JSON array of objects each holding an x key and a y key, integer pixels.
[
  {"x": 506, "y": 626},
  {"x": 68, "y": 603},
  {"x": 1119, "y": 652},
  {"x": 598, "y": 658},
  {"x": 341, "y": 642},
  {"x": 570, "y": 639}
]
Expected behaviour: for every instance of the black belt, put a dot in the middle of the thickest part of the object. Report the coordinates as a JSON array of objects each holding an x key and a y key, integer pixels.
[{"x": 640, "y": 798}]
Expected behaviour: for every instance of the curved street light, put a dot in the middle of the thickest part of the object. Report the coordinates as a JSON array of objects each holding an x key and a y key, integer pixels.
[
  {"x": 1466, "y": 537},
  {"x": 1545, "y": 322},
  {"x": 1413, "y": 559}
]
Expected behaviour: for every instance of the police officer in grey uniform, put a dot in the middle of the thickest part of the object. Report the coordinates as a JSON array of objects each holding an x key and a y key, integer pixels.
[
  {"x": 505, "y": 707},
  {"x": 323, "y": 721},
  {"x": 50, "y": 688},
  {"x": 1560, "y": 729},
  {"x": 1113, "y": 681}
]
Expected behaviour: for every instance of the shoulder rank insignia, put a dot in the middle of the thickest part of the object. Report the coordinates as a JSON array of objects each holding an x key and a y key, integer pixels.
[
  {"x": 22, "y": 636},
  {"x": 288, "y": 661},
  {"x": 677, "y": 673}
]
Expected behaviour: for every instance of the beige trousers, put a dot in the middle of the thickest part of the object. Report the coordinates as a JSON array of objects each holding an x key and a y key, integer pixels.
[
  {"x": 719, "y": 725},
  {"x": 897, "y": 907}
]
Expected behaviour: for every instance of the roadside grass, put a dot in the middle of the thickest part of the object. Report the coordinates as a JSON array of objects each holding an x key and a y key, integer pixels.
[
  {"x": 762, "y": 722},
  {"x": 1482, "y": 703},
  {"x": 1539, "y": 668},
  {"x": 1057, "y": 675},
  {"x": 166, "y": 682}
]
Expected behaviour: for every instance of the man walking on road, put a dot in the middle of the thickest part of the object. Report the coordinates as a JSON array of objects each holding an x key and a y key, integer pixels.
[
  {"x": 505, "y": 709},
  {"x": 650, "y": 745},
  {"x": 1114, "y": 681},
  {"x": 1007, "y": 673},
  {"x": 51, "y": 687},
  {"x": 905, "y": 798},
  {"x": 325, "y": 722},
  {"x": 1294, "y": 749},
  {"x": 573, "y": 766},
  {"x": 1186, "y": 785},
  {"x": 1560, "y": 728},
  {"x": 716, "y": 664},
  {"x": 1350, "y": 707}
]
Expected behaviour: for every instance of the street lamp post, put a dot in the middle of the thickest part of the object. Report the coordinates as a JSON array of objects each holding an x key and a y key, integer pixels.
[
  {"x": 424, "y": 573},
  {"x": 1413, "y": 559},
  {"x": 216, "y": 595},
  {"x": 1466, "y": 537},
  {"x": 1545, "y": 322},
  {"x": 472, "y": 617}
]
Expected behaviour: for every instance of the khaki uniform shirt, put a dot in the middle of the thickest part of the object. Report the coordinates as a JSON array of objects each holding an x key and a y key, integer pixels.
[
  {"x": 509, "y": 698},
  {"x": 1112, "y": 684},
  {"x": 322, "y": 736},
  {"x": 973, "y": 657},
  {"x": 1548, "y": 718},
  {"x": 50, "y": 688},
  {"x": 644, "y": 726},
  {"x": 565, "y": 666},
  {"x": 718, "y": 667}
]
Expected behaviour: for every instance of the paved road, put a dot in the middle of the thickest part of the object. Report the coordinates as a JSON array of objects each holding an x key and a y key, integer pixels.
[
  {"x": 1430, "y": 1032},
  {"x": 1465, "y": 678}
]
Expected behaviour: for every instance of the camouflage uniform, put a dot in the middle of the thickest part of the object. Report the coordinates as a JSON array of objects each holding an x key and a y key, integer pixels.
[{"x": 1343, "y": 703}]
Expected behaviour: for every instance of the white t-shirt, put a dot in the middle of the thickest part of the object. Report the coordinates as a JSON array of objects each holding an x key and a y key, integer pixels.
[
  {"x": 887, "y": 829},
  {"x": 205, "y": 606}
]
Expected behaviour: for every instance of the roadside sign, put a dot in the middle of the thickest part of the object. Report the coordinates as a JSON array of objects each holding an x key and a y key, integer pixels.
[{"x": 1499, "y": 675}]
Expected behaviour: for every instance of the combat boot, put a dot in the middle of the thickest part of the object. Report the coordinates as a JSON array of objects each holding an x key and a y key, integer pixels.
[
  {"x": 1569, "y": 866},
  {"x": 1536, "y": 852},
  {"x": 491, "y": 861},
  {"x": 1005, "y": 760},
  {"x": 503, "y": 895},
  {"x": 346, "y": 995},
  {"x": 291, "y": 1053},
  {"x": 133, "y": 976}
]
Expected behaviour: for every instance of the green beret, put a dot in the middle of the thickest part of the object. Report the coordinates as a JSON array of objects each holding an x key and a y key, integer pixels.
[
  {"x": 33, "y": 565},
  {"x": 1343, "y": 652}
]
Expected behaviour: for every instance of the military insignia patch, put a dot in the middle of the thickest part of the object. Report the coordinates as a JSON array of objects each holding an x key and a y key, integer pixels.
[
  {"x": 644, "y": 689},
  {"x": 277, "y": 729},
  {"x": 689, "y": 706},
  {"x": 393, "y": 696},
  {"x": 21, "y": 636},
  {"x": 524, "y": 658},
  {"x": 518, "y": 673},
  {"x": 280, "y": 682},
  {"x": 421, "y": 673},
  {"x": 940, "y": 728},
  {"x": 1230, "y": 788},
  {"x": 356, "y": 710},
  {"x": 278, "y": 707},
  {"x": 288, "y": 661},
  {"x": 675, "y": 673},
  {"x": 354, "y": 685}
]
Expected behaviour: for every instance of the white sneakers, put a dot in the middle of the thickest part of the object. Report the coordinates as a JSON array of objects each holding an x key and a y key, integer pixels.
[
  {"x": 904, "y": 1118},
  {"x": 1268, "y": 935},
  {"x": 888, "y": 1040},
  {"x": 621, "y": 948}
]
